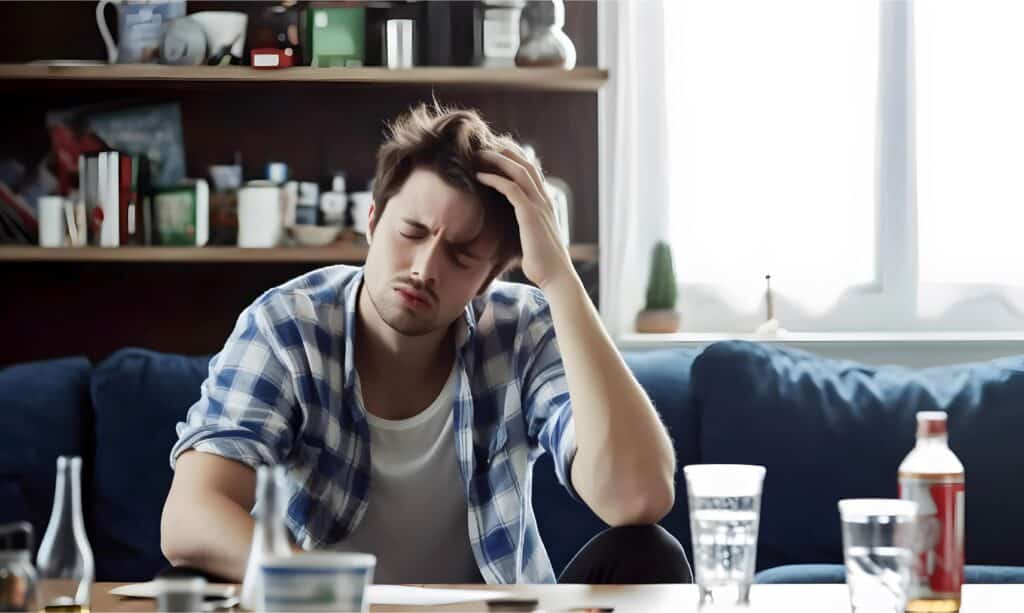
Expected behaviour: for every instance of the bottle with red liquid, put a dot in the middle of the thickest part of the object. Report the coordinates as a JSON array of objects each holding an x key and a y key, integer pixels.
[{"x": 933, "y": 477}]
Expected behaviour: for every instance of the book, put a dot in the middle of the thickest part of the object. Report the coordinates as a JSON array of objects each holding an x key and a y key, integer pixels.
[{"x": 133, "y": 187}]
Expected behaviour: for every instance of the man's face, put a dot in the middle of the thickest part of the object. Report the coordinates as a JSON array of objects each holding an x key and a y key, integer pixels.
[{"x": 430, "y": 253}]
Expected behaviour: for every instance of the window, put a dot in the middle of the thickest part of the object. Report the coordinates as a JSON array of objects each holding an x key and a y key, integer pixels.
[{"x": 794, "y": 153}]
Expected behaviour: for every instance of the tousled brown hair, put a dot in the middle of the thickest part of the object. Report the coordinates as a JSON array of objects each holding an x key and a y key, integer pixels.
[{"x": 447, "y": 142}]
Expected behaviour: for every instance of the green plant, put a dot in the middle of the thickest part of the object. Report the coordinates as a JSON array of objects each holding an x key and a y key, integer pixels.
[{"x": 661, "y": 286}]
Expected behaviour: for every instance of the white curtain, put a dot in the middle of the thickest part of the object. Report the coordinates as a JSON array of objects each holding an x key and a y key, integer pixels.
[{"x": 634, "y": 153}]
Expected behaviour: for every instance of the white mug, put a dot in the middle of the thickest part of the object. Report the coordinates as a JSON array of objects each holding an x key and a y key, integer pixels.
[
  {"x": 141, "y": 25},
  {"x": 260, "y": 215},
  {"x": 51, "y": 221}
]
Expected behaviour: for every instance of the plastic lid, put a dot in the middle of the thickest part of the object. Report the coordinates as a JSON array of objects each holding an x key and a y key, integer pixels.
[{"x": 322, "y": 560}]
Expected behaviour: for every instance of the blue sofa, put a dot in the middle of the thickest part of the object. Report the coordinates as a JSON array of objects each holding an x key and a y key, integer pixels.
[{"x": 824, "y": 429}]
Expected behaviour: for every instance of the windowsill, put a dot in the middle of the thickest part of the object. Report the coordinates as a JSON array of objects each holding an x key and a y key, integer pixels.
[
  {"x": 704, "y": 338},
  {"x": 916, "y": 349}
]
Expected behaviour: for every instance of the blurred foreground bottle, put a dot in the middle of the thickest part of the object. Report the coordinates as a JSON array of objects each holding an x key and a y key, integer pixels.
[
  {"x": 18, "y": 577},
  {"x": 933, "y": 477},
  {"x": 270, "y": 535},
  {"x": 65, "y": 563}
]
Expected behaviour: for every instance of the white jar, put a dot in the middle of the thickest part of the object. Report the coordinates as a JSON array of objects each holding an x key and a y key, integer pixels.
[{"x": 260, "y": 215}]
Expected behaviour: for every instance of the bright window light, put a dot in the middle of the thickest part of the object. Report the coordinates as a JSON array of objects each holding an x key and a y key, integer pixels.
[
  {"x": 772, "y": 108},
  {"x": 970, "y": 110}
]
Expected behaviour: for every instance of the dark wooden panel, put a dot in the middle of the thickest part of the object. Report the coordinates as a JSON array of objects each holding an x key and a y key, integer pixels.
[{"x": 53, "y": 310}]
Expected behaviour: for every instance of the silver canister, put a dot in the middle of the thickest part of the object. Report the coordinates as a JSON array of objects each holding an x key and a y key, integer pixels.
[{"x": 398, "y": 43}]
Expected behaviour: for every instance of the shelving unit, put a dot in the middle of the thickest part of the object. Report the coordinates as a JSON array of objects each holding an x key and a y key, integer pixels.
[
  {"x": 535, "y": 79},
  {"x": 341, "y": 252},
  {"x": 92, "y": 301}
]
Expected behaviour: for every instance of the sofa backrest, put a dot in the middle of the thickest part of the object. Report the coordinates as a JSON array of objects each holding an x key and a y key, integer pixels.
[
  {"x": 828, "y": 429},
  {"x": 138, "y": 396},
  {"x": 565, "y": 524},
  {"x": 44, "y": 413}
]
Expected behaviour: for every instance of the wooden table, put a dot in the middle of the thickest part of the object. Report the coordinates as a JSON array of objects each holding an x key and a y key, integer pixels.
[{"x": 831, "y": 598}]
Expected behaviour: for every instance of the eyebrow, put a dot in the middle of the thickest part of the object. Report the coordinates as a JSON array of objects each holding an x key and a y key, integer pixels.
[{"x": 461, "y": 247}]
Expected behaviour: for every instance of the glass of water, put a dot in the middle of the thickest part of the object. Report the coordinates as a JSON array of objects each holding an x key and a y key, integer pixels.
[
  {"x": 725, "y": 506},
  {"x": 878, "y": 550}
]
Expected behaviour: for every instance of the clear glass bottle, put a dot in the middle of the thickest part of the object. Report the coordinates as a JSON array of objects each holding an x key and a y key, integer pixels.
[
  {"x": 269, "y": 535},
  {"x": 64, "y": 562},
  {"x": 18, "y": 577},
  {"x": 932, "y": 476}
]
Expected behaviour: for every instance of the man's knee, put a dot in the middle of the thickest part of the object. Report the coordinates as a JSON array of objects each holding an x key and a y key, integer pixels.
[{"x": 649, "y": 547}]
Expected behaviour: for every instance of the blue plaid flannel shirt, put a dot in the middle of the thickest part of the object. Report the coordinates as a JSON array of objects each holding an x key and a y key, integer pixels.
[{"x": 282, "y": 391}]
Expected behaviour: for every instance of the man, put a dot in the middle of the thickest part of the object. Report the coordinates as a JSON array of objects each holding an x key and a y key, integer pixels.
[{"x": 410, "y": 398}]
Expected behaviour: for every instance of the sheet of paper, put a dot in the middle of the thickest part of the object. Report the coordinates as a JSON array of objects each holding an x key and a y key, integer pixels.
[
  {"x": 424, "y": 596},
  {"x": 378, "y": 594},
  {"x": 148, "y": 590}
]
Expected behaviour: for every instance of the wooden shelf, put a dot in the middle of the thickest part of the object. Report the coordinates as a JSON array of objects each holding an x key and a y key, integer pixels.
[
  {"x": 340, "y": 252},
  {"x": 537, "y": 79}
]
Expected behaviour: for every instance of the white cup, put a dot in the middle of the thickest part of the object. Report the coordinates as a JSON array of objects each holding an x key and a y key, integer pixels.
[
  {"x": 260, "y": 215},
  {"x": 51, "y": 221},
  {"x": 359, "y": 205},
  {"x": 317, "y": 581}
]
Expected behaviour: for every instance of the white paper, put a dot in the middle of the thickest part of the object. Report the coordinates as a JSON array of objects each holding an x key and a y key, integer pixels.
[
  {"x": 377, "y": 594},
  {"x": 149, "y": 590},
  {"x": 424, "y": 596}
]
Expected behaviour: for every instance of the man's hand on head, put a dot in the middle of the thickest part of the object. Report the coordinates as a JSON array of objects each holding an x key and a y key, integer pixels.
[{"x": 546, "y": 260}]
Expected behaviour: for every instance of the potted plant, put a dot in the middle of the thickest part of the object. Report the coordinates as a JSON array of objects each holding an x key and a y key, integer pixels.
[{"x": 659, "y": 314}]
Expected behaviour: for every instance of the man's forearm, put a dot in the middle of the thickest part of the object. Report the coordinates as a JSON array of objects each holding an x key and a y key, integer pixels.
[
  {"x": 624, "y": 464},
  {"x": 214, "y": 536}
]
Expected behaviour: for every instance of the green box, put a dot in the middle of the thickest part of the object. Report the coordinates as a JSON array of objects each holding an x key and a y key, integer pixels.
[{"x": 337, "y": 36}]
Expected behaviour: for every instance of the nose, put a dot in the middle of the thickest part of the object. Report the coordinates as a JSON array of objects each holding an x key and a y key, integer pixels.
[{"x": 428, "y": 260}]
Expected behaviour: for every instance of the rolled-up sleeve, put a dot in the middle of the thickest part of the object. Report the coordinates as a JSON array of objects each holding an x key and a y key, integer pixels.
[
  {"x": 546, "y": 404},
  {"x": 246, "y": 411}
]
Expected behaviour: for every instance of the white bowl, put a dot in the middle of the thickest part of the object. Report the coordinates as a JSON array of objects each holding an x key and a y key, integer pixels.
[{"x": 314, "y": 236}]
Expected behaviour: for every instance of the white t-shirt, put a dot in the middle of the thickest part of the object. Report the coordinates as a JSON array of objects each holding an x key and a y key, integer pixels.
[{"x": 416, "y": 522}]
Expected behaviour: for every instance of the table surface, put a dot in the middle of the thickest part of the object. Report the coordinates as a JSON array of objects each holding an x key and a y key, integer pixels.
[{"x": 832, "y": 598}]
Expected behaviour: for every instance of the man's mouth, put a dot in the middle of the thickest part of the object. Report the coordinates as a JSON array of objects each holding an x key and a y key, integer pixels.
[{"x": 414, "y": 299}]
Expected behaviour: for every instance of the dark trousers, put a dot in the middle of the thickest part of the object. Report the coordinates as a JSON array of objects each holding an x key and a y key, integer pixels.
[{"x": 629, "y": 554}]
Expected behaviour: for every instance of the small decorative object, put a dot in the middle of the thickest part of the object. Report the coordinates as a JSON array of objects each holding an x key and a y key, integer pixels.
[
  {"x": 771, "y": 326},
  {"x": 659, "y": 315},
  {"x": 184, "y": 44},
  {"x": 542, "y": 41}
]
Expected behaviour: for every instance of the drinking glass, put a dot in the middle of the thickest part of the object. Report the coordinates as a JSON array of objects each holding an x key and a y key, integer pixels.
[
  {"x": 725, "y": 505},
  {"x": 878, "y": 550}
]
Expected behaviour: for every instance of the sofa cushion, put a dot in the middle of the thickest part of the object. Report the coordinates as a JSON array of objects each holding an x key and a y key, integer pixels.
[
  {"x": 566, "y": 525},
  {"x": 44, "y": 414},
  {"x": 836, "y": 573},
  {"x": 138, "y": 397},
  {"x": 828, "y": 429}
]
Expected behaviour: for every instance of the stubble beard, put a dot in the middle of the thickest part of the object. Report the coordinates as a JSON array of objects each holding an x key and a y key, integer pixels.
[{"x": 398, "y": 318}]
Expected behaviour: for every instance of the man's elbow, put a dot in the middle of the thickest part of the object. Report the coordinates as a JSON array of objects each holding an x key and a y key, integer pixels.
[
  {"x": 643, "y": 507},
  {"x": 173, "y": 544}
]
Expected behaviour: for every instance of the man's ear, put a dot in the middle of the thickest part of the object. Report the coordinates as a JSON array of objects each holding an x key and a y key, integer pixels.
[{"x": 372, "y": 225}]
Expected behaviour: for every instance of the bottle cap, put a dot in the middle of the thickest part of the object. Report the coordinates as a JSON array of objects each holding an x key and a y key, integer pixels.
[{"x": 931, "y": 423}]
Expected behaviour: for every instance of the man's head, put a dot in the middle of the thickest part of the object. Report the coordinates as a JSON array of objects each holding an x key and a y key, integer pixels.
[{"x": 438, "y": 236}]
